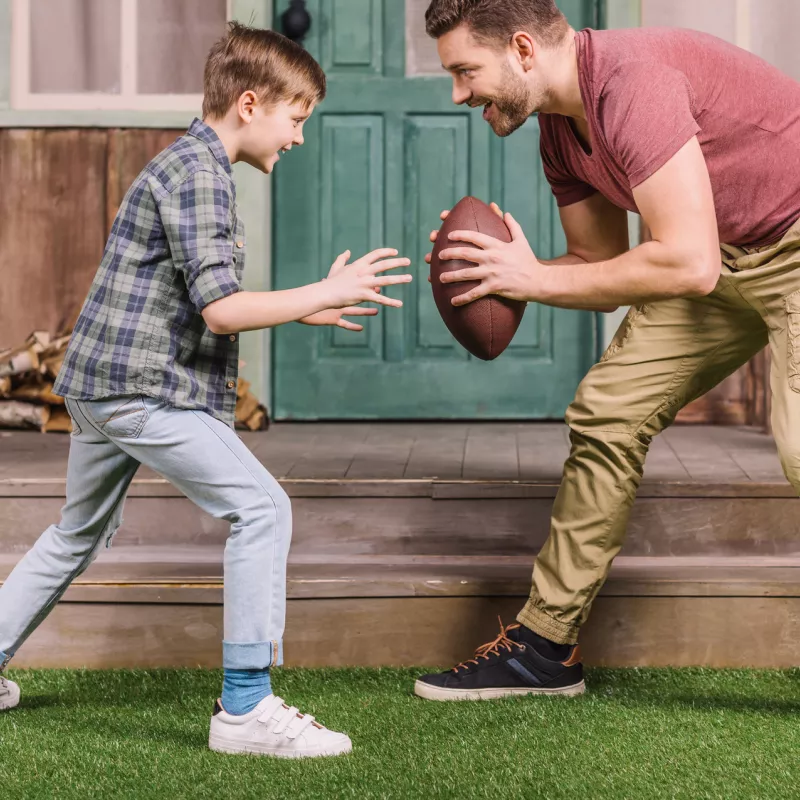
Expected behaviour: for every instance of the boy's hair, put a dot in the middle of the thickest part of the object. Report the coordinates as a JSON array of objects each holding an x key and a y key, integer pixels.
[
  {"x": 263, "y": 61},
  {"x": 494, "y": 22}
]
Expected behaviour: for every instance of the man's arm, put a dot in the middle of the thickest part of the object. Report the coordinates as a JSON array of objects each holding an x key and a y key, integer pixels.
[
  {"x": 682, "y": 260},
  {"x": 596, "y": 230}
]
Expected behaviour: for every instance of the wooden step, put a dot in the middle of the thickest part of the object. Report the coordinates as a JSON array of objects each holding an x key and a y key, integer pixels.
[{"x": 162, "y": 607}]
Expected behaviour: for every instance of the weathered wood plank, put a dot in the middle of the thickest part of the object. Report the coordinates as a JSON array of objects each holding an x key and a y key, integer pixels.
[
  {"x": 542, "y": 449},
  {"x": 384, "y": 453},
  {"x": 438, "y": 451},
  {"x": 702, "y": 457},
  {"x": 491, "y": 453},
  {"x": 53, "y": 231}
]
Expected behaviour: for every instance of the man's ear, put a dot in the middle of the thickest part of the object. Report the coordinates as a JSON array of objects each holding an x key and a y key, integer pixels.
[{"x": 524, "y": 47}]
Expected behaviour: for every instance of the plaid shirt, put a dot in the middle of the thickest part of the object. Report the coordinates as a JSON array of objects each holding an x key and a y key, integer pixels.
[{"x": 177, "y": 244}]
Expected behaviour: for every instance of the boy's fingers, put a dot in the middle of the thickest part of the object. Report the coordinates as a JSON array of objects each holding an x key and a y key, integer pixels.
[
  {"x": 359, "y": 311},
  {"x": 429, "y": 278},
  {"x": 444, "y": 215},
  {"x": 349, "y": 326},
  {"x": 433, "y": 235},
  {"x": 386, "y": 301},
  {"x": 428, "y": 258},
  {"x": 393, "y": 280},
  {"x": 390, "y": 263},
  {"x": 496, "y": 209},
  {"x": 382, "y": 252}
]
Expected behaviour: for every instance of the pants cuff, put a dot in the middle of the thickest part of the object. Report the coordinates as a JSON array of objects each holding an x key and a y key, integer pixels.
[
  {"x": 255, "y": 655},
  {"x": 556, "y": 631}
]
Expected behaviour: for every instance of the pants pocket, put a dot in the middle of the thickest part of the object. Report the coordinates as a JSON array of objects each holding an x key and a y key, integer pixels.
[
  {"x": 793, "y": 334},
  {"x": 119, "y": 417},
  {"x": 623, "y": 332}
]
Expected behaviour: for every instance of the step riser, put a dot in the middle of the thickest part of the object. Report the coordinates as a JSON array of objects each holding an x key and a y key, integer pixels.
[
  {"x": 420, "y": 525},
  {"x": 623, "y": 632}
]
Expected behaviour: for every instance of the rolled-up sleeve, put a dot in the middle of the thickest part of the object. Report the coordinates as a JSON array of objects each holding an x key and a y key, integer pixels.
[{"x": 197, "y": 218}]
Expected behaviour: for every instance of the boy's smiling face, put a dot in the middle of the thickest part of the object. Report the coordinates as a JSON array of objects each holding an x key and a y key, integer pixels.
[{"x": 271, "y": 131}]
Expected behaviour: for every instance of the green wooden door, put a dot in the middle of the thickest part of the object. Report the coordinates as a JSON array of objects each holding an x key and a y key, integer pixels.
[{"x": 382, "y": 156}]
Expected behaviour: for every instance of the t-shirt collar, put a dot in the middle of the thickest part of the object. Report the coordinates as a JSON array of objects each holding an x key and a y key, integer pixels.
[{"x": 207, "y": 135}]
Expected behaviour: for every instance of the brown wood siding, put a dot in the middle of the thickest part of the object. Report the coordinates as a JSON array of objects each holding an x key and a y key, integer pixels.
[{"x": 59, "y": 192}]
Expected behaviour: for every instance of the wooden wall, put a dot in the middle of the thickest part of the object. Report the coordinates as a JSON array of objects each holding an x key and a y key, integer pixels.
[{"x": 59, "y": 192}]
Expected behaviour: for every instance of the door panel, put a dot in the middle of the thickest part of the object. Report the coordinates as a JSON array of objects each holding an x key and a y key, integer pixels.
[{"x": 383, "y": 155}]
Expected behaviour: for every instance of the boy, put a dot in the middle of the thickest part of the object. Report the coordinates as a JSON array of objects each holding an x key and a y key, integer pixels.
[{"x": 150, "y": 377}]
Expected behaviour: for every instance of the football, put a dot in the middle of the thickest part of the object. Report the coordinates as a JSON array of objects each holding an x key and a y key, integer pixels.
[{"x": 486, "y": 326}]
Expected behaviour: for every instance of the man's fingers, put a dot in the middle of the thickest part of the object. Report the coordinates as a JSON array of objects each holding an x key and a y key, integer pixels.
[
  {"x": 463, "y": 254},
  {"x": 474, "y": 237},
  {"x": 458, "y": 275},
  {"x": 514, "y": 227},
  {"x": 496, "y": 209},
  {"x": 428, "y": 258},
  {"x": 429, "y": 279},
  {"x": 392, "y": 280},
  {"x": 390, "y": 263},
  {"x": 471, "y": 296},
  {"x": 433, "y": 235},
  {"x": 444, "y": 214}
]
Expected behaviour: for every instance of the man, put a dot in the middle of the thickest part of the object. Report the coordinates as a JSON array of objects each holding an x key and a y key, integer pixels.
[{"x": 703, "y": 140}]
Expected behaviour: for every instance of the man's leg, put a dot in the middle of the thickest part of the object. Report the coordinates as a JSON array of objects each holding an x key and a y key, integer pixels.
[
  {"x": 663, "y": 357},
  {"x": 98, "y": 476}
]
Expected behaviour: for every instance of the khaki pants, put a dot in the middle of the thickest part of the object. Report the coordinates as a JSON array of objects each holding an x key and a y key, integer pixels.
[{"x": 664, "y": 355}]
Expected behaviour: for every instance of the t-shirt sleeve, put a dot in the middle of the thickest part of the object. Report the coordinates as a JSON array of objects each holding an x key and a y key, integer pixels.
[
  {"x": 566, "y": 188},
  {"x": 196, "y": 216},
  {"x": 646, "y": 115}
]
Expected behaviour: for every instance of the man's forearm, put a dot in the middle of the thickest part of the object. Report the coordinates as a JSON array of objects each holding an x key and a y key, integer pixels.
[
  {"x": 569, "y": 259},
  {"x": 650, "y": 271},
  {"x": 249, "y": 311}
]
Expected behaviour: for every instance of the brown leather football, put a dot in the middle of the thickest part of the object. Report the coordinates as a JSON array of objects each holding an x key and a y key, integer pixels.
[{"x": 486, "y": 326}]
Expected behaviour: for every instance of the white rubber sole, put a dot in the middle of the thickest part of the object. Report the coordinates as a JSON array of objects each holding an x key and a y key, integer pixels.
[
  {"x": 428, "y": 692},
  {"x": 220, "y": 745},
  {"x": 10, "y": 699}
]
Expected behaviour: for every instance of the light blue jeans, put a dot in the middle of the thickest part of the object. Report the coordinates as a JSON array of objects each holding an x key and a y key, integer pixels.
[{"x": 211, "y": 465}]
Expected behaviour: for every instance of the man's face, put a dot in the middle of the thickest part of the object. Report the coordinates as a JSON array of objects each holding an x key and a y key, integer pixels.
[
  {"x": 483, "y": 76},
  {"x": 273, "y": 131}
]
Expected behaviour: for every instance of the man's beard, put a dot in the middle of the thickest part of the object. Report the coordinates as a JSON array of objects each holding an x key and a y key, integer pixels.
[{"x": 513, "y": 107}]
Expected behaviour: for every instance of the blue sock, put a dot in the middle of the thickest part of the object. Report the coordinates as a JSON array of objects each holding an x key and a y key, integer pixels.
[{"x": 244, "y": 689}]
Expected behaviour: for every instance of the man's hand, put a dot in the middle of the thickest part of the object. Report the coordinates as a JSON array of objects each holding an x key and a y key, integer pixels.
[
  {"x": 350, "y": 284},
  {"x": 336, "y": 316},
  {"x": 506, "y": 269}
]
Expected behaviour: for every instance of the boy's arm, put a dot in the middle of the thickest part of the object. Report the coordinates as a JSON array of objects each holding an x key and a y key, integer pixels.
[{"x": 196, "y": 218}]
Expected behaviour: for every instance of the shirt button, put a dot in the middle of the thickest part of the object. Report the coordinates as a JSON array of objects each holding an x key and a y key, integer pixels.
[
  {"x": 232, "y": 337},
  {"x": 240, "y": 245},
  {"x": 230, "y": 384}
]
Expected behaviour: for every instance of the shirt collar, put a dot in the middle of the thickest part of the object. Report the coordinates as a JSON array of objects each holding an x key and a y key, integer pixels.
[{"x": 207, "y": 135}]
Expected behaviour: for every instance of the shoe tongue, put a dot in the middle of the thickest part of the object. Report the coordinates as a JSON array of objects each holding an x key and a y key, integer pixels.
[{"x": 513, "y": 633}]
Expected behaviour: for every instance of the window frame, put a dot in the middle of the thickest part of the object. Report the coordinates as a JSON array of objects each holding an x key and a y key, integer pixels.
[{"x": 127, "y": 100}]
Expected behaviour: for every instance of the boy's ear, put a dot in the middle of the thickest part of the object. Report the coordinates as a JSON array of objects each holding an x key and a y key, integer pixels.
[{"x": 246, "y": 105}]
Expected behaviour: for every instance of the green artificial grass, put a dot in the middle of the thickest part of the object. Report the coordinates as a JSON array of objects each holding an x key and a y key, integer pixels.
[{"x": 637, "y": 734}]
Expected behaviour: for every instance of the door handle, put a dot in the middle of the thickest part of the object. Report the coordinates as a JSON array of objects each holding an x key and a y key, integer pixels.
[{"x": 296, "y": 21}]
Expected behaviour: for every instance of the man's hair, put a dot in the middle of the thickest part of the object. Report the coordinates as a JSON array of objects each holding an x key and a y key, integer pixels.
[
  {"x": 496, "y": 21},
  {"x": 263, "y": 61}
]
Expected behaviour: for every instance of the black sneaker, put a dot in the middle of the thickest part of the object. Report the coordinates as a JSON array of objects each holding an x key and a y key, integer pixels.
[{"x": 507, "y": 666}]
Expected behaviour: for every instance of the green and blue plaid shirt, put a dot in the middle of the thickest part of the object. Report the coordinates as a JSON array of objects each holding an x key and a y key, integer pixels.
[{"x": 177, "y": 244}]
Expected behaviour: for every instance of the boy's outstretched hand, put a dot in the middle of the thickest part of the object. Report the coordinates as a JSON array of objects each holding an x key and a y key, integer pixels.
[{"x": 348, "y": 285}]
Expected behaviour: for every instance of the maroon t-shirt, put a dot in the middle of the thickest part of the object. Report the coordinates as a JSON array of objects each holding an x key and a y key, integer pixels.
[{"x": 647, "y": 92}]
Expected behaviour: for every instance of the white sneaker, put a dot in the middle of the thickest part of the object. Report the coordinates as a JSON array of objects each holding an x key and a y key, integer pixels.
[
  {"x": 274, "y": 729},
  {"x": 9, "y": 694}
]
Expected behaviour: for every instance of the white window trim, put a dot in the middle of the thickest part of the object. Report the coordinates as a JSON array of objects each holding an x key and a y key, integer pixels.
[{"x": 128, "y": 99}]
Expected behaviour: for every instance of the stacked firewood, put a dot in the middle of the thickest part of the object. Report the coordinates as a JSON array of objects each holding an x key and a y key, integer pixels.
[{"x": 27, "y": 374}]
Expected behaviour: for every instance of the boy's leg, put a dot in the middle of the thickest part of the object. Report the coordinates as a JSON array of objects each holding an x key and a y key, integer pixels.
[
  {"x": 98, "y": 475},
  {"x": 662, "y": 358},
  {"x": 212, "y": 466},
  {"x": 209, "y": 463}
]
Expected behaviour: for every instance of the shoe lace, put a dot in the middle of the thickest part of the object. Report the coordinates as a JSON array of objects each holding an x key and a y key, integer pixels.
[{"x": 492, "y": 648}]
